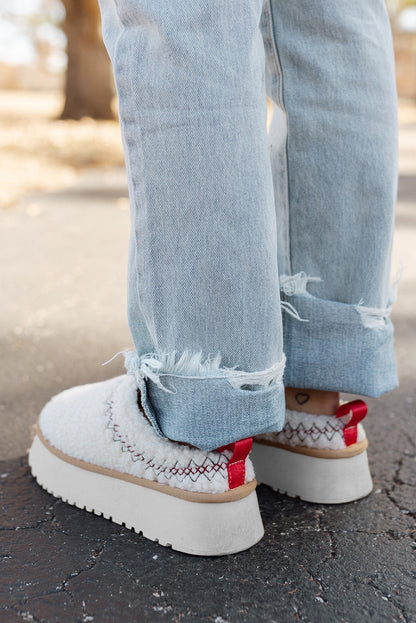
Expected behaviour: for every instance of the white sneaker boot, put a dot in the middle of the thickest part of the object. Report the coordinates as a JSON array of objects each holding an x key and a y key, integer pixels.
[
  {"x": 319, "y": 458},
  {"x": 95, "y": 449}
]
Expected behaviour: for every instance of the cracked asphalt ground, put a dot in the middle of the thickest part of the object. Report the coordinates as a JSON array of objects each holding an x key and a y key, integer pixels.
[{"x": 65, "y": 315}]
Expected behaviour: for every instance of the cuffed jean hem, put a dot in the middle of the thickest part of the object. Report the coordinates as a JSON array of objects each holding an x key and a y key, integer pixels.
[
  {"x": 341, "y": 347},
  {"x": 208, "y": 412}
]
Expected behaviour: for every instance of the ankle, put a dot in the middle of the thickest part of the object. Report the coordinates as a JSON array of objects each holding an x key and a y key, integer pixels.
[{"x": 312, "y": 401}]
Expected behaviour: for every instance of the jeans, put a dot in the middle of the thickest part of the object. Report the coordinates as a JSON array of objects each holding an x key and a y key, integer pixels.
[{"x": 257, "y": 259}]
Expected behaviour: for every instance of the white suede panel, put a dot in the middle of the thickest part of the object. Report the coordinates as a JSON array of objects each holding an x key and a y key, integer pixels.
[
  {"x": 101, "y": 423},
  {"x": 314, "y": 431}
]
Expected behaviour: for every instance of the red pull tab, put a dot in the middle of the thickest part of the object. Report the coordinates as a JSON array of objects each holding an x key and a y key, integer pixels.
[
  {"x": 358, "y": 408},
  {"x": 236, "y": 467}
]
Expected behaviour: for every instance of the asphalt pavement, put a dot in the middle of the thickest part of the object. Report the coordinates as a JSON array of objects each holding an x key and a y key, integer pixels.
[{"x": 64, "y": 257}]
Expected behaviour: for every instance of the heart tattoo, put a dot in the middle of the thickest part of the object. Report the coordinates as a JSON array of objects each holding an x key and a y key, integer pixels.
[{"x": 301, "y": 399}]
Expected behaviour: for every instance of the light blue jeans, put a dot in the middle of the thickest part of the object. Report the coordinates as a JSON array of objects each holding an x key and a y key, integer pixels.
[{"x": 257, "y": 259}]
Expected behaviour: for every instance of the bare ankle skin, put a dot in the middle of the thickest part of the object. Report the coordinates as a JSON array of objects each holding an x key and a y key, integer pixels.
[{"x": 312, "y": 401}]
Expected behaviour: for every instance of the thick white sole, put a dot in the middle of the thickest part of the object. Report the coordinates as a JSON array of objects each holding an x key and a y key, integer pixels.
[
  {"x": 313, "y": 479},
  {"x": 204, "y": 529}
]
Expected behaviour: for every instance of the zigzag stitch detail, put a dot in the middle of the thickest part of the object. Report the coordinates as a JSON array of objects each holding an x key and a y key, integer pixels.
[{"x": 192, "y": 471}]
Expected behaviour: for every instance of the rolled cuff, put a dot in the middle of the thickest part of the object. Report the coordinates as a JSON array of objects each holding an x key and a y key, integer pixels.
[
  {"x": 339, "y": 348},
  {"x": 208, "y": 412}
]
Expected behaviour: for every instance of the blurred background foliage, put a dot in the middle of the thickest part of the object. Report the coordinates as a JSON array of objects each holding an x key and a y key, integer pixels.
[
  {"x": 57, "y": 43},
  {"x": 57, "y": 100},
  {"x": 58, "y": 107}
]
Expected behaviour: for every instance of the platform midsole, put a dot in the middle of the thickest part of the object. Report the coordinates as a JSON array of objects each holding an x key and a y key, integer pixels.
[
  {"x": 193, "y": 527},
  {"x": 325, "y": 481}
]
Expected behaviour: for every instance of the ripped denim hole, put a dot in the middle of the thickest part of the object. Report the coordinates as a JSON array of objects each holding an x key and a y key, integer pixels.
[
  {"x": 376, "y": 317},
  {"x": 258, "y": 380},
  {"x": 295, "y": 285},
  {"x": 373, "y": 317},
  {"x": 292, "y": 285}
]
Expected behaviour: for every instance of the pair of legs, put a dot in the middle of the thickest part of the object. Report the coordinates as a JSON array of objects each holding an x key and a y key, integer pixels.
[{"x": 258, "y": 260}]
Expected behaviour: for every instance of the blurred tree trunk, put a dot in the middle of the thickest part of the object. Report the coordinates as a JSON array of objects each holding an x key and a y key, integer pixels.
[{"x": 89, "y": 87}]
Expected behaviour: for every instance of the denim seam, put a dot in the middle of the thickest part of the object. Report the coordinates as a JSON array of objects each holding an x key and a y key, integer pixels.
[
  {"x": 130, "y": 176},
  {"x": 275, "y": 55},
  {"x": 280, "y": 100}
]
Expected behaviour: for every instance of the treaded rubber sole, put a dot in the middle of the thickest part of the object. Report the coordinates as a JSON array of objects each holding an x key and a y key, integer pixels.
[
  {"x": 312, "y": 479},
  {"x": 202, "y": 529}
]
